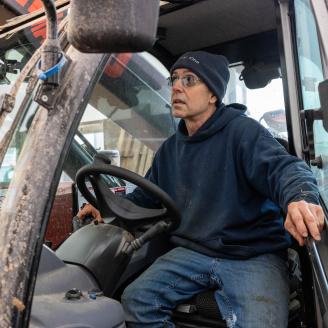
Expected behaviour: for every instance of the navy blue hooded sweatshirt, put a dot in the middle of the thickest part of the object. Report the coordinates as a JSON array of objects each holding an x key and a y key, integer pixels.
[{"x": 230, "y": 181}]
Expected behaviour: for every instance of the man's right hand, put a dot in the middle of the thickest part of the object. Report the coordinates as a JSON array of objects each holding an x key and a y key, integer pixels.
[
  {"x": 304, "y": 219},
  {"x": 89, "y": 210}
]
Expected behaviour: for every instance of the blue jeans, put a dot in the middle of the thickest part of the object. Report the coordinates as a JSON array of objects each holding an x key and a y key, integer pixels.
[{"x": 250, "y": 293}]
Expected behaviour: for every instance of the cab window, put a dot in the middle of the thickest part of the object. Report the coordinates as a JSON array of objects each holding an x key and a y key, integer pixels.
[
  {"x": 128, "y": 117},
  {"x": 129, "y": 111},
  {"x": 311, "y": 74},
  {"x": 264, "y": 104}
]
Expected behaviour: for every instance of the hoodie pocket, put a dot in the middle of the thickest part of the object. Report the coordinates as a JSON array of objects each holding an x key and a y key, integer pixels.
[{"x": 230, "y": 248}]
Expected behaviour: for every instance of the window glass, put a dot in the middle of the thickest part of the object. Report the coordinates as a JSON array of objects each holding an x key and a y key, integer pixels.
[
  {"x": 17, "y": 50},
  {"x": 310, "y": 66},
  {"x": 129, "y": 111},
  {"x": 9, "y": 161},
  {"x": 12, "y": 62},
  {"x": 265, "y": 105},
  {"x": 311, "y": 74},
  {"x": 128, "y": 117}
]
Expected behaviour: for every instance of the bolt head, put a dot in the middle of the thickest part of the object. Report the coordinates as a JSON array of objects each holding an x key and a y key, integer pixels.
[{"x": 44, "y": 98}]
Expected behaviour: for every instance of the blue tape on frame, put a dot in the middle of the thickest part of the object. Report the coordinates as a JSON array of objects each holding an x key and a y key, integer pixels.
[{"x": 53, "y": 70}]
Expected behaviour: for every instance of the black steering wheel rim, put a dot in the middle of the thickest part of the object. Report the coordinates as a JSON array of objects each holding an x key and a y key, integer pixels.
[{"x": 169, "y": 211}]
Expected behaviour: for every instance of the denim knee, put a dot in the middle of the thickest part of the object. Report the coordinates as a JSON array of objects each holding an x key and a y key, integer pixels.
[
  {"x": 137, "y": 301},
  {"x": 128, "y": 296}
]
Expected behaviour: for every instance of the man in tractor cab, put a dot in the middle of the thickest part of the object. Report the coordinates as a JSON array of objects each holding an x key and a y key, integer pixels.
[{"x": 230, "y": 179}]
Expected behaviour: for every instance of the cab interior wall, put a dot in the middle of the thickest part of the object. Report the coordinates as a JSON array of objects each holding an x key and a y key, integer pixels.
[
  {"x": 213, "y": 23},
  {"x": 248, "y": 37}
]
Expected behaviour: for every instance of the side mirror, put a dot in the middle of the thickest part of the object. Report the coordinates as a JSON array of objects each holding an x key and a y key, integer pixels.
[{"x": 103, "y": 26}]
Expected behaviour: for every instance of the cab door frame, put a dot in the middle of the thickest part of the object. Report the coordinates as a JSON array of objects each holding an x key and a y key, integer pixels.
[
  {"x": 22, "y": 219},
  {"x": 299, "y": 137}
]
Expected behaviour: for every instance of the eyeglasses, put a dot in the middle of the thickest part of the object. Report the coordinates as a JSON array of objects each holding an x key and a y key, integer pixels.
[{"x": 187, "y": 80}]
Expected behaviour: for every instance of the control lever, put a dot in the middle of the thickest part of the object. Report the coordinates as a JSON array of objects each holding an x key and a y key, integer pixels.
[{"x": 158, "y": 228}]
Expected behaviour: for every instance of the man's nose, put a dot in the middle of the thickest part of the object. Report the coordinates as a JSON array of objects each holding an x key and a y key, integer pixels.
[{"x": 177, "y": 86}]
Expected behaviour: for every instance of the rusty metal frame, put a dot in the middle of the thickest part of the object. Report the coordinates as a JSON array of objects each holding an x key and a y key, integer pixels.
[{"x": 28, "y": 201}]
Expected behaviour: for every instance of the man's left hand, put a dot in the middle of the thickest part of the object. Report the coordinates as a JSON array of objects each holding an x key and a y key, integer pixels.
[{"x": 304, "y": 219}]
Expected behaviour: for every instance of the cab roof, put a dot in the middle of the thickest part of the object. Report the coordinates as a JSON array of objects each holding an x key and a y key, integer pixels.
[{"x": 223, "y": 26}]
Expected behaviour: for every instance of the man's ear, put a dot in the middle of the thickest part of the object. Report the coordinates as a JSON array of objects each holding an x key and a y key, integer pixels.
[{"x": 213, "y": 99}]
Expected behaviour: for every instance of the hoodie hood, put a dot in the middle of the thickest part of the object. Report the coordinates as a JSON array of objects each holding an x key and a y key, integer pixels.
[{"x": 221, "y": 117}]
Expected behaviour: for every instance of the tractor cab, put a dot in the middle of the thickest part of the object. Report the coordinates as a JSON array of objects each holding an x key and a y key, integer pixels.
[{"x": 84, "y": 106}]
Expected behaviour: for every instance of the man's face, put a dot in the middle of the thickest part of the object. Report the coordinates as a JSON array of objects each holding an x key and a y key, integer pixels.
[{"x": 192, "y": 100}]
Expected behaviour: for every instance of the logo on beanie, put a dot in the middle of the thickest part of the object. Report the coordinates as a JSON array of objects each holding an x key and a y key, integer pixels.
[{"x": 191, "y": 58}]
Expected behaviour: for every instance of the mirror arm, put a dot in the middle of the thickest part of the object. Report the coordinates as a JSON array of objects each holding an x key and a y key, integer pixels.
[
  {"x": 53, "y": 64},
  {"x": 51, "y": 48},
  {"x": 52, "y": 58}
]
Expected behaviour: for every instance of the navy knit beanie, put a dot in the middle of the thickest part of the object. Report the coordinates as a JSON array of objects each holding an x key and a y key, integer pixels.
[{"x": 211, "y": 69}]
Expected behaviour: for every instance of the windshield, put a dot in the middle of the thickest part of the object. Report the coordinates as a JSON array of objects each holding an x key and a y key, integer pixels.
[
  {"x": 127, "y": 118},
  {"x": 12, "y": 61},
  {"x": 128, "y": 114},
  {"x": 16, "y": 49}
]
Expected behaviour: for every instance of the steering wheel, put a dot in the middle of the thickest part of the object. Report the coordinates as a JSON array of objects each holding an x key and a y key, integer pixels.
[{"x": 166, "y": 218}]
